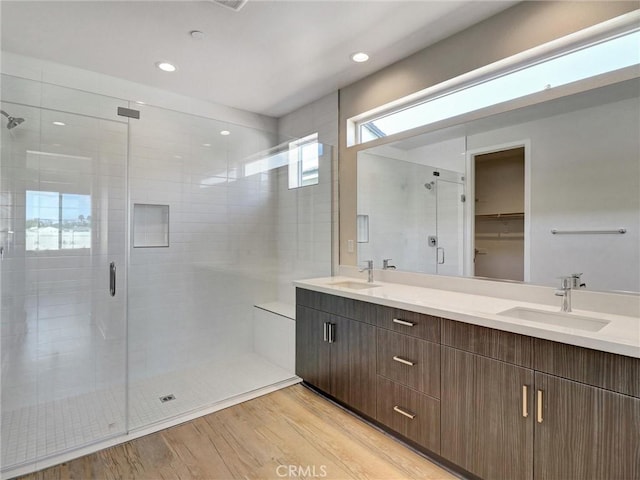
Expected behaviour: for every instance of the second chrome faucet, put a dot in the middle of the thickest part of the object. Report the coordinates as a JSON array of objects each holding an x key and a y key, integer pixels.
[
  {"x": 369, "y": 269},
  {"x": 566, "y": 284}
]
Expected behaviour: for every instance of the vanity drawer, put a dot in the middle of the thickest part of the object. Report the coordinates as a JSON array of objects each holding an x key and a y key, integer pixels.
[
  {"x": 618, "y": 373},
  {"x": 412, "y": 414},
  {"x": 410, "y": 361},
  {"x": 336, "y": 305},
  {"x": 497, "y": 344},
  {"x": 415, "y": 324}
]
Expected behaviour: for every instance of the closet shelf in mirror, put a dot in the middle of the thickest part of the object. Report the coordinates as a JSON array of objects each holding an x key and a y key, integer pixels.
[
  {"x": 499, "y": 235},
  {"x": 502, "y": 215}
]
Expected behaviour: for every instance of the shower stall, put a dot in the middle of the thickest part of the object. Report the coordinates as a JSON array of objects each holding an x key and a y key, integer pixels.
[{"x": 134, "y": 252}]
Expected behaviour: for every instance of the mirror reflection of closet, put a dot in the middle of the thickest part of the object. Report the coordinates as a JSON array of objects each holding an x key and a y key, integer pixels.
[{"x": 499, "y": 214}]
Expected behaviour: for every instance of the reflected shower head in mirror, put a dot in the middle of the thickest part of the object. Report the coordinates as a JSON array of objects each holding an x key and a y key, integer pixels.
[
  {"x": 429, "y": 185},
  {"x": 13, "y": 122}
]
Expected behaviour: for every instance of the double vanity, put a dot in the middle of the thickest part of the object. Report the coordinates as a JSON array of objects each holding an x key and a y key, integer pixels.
[{"x": 492, "y": 387}]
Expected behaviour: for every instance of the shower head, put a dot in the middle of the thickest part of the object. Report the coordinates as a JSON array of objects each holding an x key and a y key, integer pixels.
[
  {"x": 13, "y": 122},
  {"x": 429, "y": 185}
]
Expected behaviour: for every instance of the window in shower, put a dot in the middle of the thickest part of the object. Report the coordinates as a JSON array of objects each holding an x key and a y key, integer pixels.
[
  {"x": 57, "y": 221},
  {"x": 304, "y": 155}
]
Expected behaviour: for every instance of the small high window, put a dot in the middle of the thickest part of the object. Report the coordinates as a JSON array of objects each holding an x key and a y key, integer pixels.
[
  {"x": 444, "y": 101},
  {"x": 304, "y": 161}
]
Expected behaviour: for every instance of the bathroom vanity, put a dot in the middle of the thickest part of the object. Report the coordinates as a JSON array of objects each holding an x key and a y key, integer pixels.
[{"x": 465, "y": 380}]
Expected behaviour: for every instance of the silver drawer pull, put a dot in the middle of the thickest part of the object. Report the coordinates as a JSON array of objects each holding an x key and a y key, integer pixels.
[
  {"x": 397, "y": 409},
  {"x": 403, "y": 322},
  {"x": 403, "y": 361}
]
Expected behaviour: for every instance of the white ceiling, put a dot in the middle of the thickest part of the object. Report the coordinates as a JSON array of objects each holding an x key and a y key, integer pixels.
[{"x": 271, "y": 57}]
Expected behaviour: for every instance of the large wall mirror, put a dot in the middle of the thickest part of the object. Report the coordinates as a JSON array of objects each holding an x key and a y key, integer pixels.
[{"x": 529, "y": 195}]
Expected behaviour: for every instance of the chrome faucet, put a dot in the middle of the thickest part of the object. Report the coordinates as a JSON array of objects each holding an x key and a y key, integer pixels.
[
  {"x": 576, "y": 280},
  {"x": 566, "y": 284},
  {"x": 369, "y": 269},
  {"x": 386, "y": 266}
]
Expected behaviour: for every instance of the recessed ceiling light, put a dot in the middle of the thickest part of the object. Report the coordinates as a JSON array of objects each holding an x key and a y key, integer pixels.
[
  {"x": 166, "y": 67},
  {"x": 60, "y": 124},
  {"x": 206, "y": 144},
  {"x": 196, "y": 34},
  {"x": 140, "y": 102},
  {"x": 359, "y": 57},
  {"x": 225, "y": 132}
]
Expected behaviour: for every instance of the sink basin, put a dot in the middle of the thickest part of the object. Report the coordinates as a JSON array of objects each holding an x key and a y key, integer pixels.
[
  {"x": 560, "y": 319},
  {"x": 354, "y": 285}
]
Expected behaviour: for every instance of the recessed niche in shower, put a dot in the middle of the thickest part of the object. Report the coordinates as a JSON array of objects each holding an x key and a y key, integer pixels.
[{"x": 150, "y": 225}]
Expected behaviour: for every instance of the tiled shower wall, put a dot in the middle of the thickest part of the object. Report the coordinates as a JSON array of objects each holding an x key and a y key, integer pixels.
[{"x": 191, "y": 302}]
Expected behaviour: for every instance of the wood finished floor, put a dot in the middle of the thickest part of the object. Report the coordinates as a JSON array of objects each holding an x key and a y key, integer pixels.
[{"x": 293, "y": 426}]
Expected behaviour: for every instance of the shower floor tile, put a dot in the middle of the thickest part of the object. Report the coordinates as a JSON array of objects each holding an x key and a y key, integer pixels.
[{"x": 36, "y": 431}]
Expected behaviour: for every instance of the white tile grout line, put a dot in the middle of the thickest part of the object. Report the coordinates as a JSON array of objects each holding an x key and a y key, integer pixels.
[{"x": 64, "y": 440}]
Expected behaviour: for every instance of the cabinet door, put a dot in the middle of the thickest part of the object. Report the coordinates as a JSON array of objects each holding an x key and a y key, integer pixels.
[
  {"x": 586, "y": 432},
  {"x": 483, "y": 427},
  {"x": 312, "y": 351},
  {"x": 353, "y": 364}
]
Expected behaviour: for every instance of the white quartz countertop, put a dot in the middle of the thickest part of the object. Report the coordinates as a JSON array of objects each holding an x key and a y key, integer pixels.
[{"x": 621, "y": 335}]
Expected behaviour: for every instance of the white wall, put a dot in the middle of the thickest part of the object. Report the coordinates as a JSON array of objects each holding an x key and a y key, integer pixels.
[
  {"x": 448, "y": 154},
  {"x": 585, "y": 175}
]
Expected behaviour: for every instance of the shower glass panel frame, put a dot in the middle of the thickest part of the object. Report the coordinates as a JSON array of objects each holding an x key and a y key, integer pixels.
[
  {"x": 62, "y": 223},
  {"x": 239, "y": 236},
  {"x": 450, "y": 226}
]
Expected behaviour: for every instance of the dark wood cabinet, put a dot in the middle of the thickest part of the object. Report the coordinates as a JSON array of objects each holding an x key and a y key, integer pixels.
[
  {"x": 337, "y": 355},
  {"x": 415, "y": 324},
  {"x": 353, "y": 364},
  {"x": 313, "y": 360},
  {"x": 585, "y": 432},
  {"x": 485, "y": 415},
  {"x": 410, "y": 413},
  {"x": 497, "y": 404},
  {"x": 409, "y": 361}
]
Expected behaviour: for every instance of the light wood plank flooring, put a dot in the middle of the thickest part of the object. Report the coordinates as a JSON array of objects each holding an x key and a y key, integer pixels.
[{"x": 260, "y": 438}]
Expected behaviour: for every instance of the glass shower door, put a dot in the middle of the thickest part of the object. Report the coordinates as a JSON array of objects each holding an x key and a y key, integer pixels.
[
  {"x": 450, "y": 227},
  {"x": 63, "y": 226}
]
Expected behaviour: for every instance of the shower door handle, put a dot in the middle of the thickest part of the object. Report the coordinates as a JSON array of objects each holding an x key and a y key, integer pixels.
[{"x": 112, "y": 279}]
